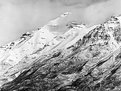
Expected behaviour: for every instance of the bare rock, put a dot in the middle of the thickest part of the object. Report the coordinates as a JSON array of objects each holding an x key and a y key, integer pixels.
[{"x": 81, "y": 59}]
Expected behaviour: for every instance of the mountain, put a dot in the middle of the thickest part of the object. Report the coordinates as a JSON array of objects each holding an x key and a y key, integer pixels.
[{"x": 81, "y": 59}]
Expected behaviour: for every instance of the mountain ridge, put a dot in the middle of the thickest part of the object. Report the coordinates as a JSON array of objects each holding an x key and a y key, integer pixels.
[{"x": 81, "y": 59}]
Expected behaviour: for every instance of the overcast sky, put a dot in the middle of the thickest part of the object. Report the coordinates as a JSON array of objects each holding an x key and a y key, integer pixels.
[{"x": 20, "y": 16}]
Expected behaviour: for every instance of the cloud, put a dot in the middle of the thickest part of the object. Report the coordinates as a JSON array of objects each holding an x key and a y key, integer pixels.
[
  {"x": 98, "y": 13},
  {"x": 93, "y": 12},
  {"x": 78, "y": 2},
  {"x": 20, "y": 16}
]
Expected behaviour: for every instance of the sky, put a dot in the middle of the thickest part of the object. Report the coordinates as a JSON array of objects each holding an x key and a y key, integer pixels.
[{"x": 20, "y": 16}]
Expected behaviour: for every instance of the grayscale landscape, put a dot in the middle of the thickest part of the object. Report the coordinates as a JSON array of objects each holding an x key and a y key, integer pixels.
[{"x": 60, "y": 45}]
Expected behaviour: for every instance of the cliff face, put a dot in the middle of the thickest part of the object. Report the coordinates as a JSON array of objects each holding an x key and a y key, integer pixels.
[{"x": 81, "y": 59}]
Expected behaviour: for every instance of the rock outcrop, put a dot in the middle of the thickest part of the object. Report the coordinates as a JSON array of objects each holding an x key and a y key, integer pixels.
[{"x": 81, "y": 59}]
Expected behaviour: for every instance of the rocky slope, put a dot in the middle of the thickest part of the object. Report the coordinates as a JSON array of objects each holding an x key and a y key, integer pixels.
[{"x": 81, "y": 59}]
